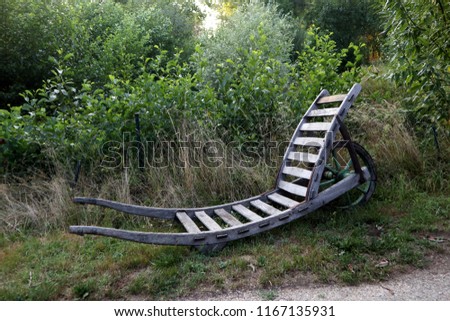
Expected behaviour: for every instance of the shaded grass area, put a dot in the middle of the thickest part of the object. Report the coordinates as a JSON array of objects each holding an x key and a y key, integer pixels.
[{"x": 328, "y": 246}]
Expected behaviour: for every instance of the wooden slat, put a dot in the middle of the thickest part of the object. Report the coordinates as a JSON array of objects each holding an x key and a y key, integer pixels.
[
  {"x": 227, "y": 217},
  {"x": 331, "y": 99},
  {"x": 283, "y": 200},
  {"x": 187, "y": 222},
  {"x": 309, "y": 141},
  {"x": 303, "y": 157},
  {"x": 208, "y": 221},
  {"x": 266, "y": 208},
  {"x": 292, "y": 188},
  {"x": 323, "y": 112},
  {"x": 297, "y": 172},
  {"x": 315, "y": 126},
  {"x": 250, "y": 215}
]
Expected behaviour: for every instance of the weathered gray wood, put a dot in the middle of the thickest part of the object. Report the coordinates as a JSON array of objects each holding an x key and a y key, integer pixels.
[
  {"x": 266, "y": 208},
  {"x": 316, "y": 126},
  {"x": 187, "y": 222},
  {"x": 165, "y": 213},
  {"x": 283, "y": 200},
  {"x": 227, "y": 217},
  {"x": 309, "y": 141},
  {"x": 208, "y": 221},
  {"x": 169, "y": 213},
  {"x": 347, "y": 101},
  {"x": 331, "y": 99},
  {"x": 303, "y": 157},
  {"x": 323, "y": 112},
  {"x": 292, "y": 188},
  {"x": 291, "y": 147},
  {"x": 156, "y": 212},
  {"x": 297, "y": 172},
  {"x": 314, "y": 183},
  {"x": 248, "y": 214},
  {"x": 234, "y": 233}
]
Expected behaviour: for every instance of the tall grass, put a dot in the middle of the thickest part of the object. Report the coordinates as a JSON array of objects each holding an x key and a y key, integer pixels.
[
  {"x": 41, "y": 203},
  {"x": 401, "y": 151}
]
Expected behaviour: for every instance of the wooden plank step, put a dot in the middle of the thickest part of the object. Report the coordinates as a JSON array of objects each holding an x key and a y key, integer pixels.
[
  {"x": 283, "y": 200},
  {"x": 227, "y": 217},
  {"x": 331, "y": 99},
  {"x": 208, "y": 221},
  {"x": 323, "y": 112},
  {"x": 266, "y": 208},
  {"x": 309, "y": 141},
  {"x": 315, "y": 126},
  {"x": 297, "y": 172},
  {"x": 292, "y": 188},
  {"x": 303, "y": 157},
  {"x": 187, "y": 222},
  {"x": 250, "y": 215}
]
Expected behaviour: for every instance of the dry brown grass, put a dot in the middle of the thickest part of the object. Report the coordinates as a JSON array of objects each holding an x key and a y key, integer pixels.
[
  {"x": 381, "y": 127},
  {"x": 40, "y": 203},
  {"x": 380, "y": 123},
  {"x": 37, "y": 203}
]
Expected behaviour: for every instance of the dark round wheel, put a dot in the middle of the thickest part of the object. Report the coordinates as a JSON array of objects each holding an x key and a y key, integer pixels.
[{"x": 339, "y": 165}]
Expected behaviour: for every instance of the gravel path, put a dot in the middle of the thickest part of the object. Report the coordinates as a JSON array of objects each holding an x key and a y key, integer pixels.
[{"x": 431, "y": 284}]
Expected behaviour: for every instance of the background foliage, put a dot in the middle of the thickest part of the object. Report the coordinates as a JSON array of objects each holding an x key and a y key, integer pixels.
[
  {"x": 419, "y": 52},
  {"x": 104, "y": 37},
  {"x": 239, "y": 86},
  {"x": 350, "y": 21}
]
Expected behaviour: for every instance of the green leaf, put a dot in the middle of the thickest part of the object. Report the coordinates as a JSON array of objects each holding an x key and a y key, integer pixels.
[{"x": 68, "y": 56}]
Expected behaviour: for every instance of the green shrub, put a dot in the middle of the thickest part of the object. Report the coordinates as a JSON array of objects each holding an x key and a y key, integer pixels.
[
  {"x": 252, "y": 27},
  {"x": 319, "y": 65},
  {"x": 248, "y": 63},
  {"x": 418, "y": 43},
  {"x": 30, "y": 31},
  {"x": 349, "y": 21},
  {"x": 250, "y": 91},
  {"x": 105, "y": 38}
]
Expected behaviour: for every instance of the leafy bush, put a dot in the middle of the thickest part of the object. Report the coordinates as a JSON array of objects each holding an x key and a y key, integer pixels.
[
  {"x": 105, "y": 38},
  {"x": 418, "y": 42},
  {"x": 350, "y": 21},
  {"x": 75, "y": 122},
  {"x": 29, "y": 34},
  {"x": 253, "y": 93},
  {"x": 254, "y": 26},
  {"x": 319, "y": 65}
]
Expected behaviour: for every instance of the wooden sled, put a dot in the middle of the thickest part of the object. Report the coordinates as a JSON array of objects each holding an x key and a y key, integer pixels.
[{"x": 315, "y": 170}]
